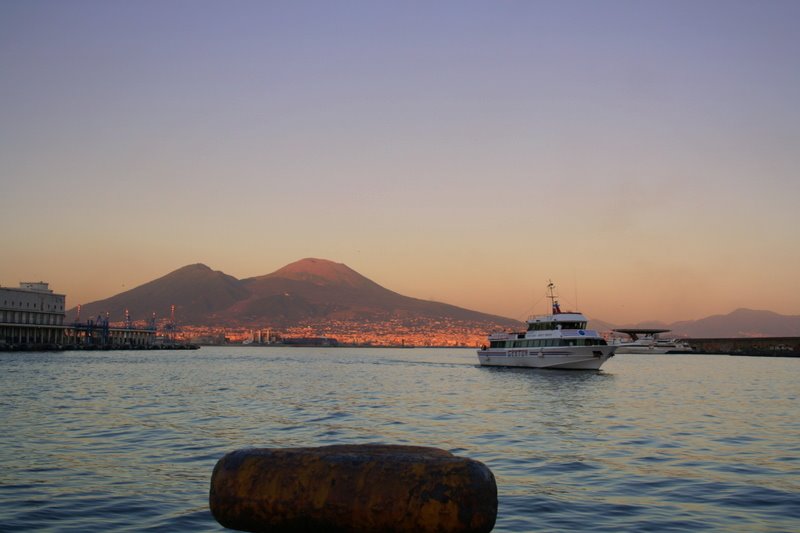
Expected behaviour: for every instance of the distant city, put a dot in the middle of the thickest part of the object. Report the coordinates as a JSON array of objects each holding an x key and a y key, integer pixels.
[{"x": 393, "y": 332}]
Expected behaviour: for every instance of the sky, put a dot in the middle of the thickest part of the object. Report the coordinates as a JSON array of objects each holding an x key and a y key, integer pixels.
[{"x": 644, "y": 155}]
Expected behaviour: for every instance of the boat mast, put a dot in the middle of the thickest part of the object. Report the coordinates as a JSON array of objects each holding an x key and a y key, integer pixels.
[{"x": 551, "y": 293}]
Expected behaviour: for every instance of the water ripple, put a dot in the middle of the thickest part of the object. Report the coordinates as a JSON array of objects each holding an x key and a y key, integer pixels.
[{"x": 126, "y": 441}]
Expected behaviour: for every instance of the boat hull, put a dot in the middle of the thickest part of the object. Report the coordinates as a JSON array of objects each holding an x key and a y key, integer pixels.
[{"x": 571, "y": 358}]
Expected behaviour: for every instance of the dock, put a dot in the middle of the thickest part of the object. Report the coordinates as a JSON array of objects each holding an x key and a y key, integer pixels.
[
  {"x": 82, "y": 336},
  {"x": 752, "y": 346}
]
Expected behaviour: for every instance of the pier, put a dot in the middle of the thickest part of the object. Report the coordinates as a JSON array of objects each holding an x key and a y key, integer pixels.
[
  {"x": 78, "y": 336},
  {"x": 83, "y": 336},
  {"x": 755, "y": 346},
  {"x": 101, "y": 335}
]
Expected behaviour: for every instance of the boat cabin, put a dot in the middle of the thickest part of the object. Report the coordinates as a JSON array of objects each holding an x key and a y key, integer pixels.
[{"x": 561, "y": 321}]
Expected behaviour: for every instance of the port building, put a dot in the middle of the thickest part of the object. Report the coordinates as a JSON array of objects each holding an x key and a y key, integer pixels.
[
  {"x": 31, "y": 314},
  {"x": 32, "y": 317}
]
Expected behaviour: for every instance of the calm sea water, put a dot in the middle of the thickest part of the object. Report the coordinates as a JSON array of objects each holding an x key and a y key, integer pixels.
[{"x": 98, "y": 441}]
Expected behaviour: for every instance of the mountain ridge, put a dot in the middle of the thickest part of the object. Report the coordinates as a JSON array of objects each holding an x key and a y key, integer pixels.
[
  {"x": 314, "y": 289},
  {"x": 310, "y": 289},
  {"x": 739, "y": 323}
]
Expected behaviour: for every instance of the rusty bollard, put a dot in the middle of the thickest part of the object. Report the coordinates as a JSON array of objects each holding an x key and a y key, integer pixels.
[{"x": 353, "y": 488}]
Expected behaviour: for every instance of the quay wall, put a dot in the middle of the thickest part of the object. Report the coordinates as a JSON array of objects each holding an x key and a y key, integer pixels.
[{"x": 763, "y": 346}]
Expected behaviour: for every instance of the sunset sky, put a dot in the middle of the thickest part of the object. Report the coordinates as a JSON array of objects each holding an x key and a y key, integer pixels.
[{"x": 644, "y": 155}]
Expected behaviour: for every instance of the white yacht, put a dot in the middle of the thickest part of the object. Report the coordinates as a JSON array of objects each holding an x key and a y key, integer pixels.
[
  {"x": 648, "y": 341},
  {"x": 559, "y": 340}
]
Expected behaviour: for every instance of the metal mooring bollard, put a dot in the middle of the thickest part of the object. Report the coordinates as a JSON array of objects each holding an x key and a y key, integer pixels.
[{"x": 353, "y": 488}]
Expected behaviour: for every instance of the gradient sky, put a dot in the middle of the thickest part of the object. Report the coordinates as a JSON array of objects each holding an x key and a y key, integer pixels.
[{"x": 644, "y": 155}]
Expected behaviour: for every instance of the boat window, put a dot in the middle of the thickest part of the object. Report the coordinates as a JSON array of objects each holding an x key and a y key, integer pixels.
[
  {"x": 573, "y": 325},
  {"x": 541, "y": 326}
]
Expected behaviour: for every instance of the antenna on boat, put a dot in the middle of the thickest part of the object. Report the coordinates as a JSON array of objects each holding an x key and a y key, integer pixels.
[
  {"x": 575, "y": 281},
  {"x": 552, "y": 295}
]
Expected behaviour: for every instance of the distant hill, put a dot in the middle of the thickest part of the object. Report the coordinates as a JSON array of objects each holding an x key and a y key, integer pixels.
[
  {"x": 740, "y": 323},
  {"x": 309, "y": 289},
  {"x": 600, "y": 325},
  {"x": 198, "y": 293}
]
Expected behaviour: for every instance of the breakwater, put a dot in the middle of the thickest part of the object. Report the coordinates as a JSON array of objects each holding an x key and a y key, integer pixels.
[{"x": 757, "y": 346}]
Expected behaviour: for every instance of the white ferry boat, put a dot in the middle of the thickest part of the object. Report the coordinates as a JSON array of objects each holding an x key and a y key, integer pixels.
[
  {"x": 559, "y": 340},
  {"x": 644, "y": 341}
]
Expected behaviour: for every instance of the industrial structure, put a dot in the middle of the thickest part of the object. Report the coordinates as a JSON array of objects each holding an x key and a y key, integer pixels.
[{"x": 32, "y": 316}]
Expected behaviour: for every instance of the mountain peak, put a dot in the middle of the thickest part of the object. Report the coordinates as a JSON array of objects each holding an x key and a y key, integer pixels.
[
  {"x": 196, "y": 267},
  {"x": 196, "y": 271},
  {"x": 321, "y": 272}
]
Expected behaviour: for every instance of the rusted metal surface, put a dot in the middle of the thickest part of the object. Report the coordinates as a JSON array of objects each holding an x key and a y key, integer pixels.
[{"x": 353, "y": 488}]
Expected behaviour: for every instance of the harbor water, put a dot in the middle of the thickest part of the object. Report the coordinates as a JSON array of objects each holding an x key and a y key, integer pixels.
[{"x": 126, "y": 441}]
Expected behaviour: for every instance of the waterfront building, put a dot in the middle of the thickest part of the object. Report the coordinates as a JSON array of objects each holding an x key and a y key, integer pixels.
[
  {"x": 31, "y": 314},
  {"x": 32, "y": 317}
]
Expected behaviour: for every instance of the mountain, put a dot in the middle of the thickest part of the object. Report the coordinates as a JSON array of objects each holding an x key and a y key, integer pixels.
[
  {"x": 321, "y": 291},
  {"x": 740, "y": 323},
  {"x": 307, "y": 290},
  {"x": 316, "y": 288},
  {"x": 197, "y": 292}
]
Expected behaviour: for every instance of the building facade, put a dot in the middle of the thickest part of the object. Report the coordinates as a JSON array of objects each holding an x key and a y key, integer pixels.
[{"x": 31, "y": 314}]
